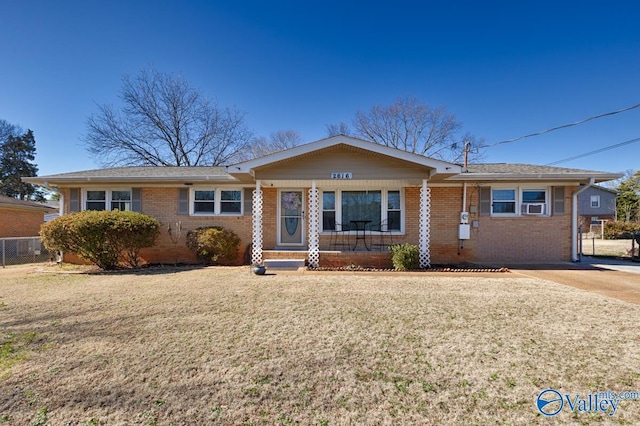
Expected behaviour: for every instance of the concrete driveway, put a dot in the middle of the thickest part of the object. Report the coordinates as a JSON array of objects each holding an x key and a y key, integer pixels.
[{"x": 612, "y": 278}]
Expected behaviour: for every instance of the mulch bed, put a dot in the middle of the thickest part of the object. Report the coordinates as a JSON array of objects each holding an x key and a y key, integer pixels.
[{"x": 434, "y": 268}]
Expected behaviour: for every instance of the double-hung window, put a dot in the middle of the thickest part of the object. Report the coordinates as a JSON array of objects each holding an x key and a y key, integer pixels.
[
  {"x": 96, "y": 200},
  {"x": 329, "y": 211},
  {"x": 595, "y": 201},
  {"x": 204, "y": 202},
  {"x": 102, "y": 199},
  {"x": 121, "y": 200},
  {"x": 394, "y": 211},
  {"x": 230, "y": 202},
  {"x": 534, "y": 201},
  {"x": 519, "y": 201},
  {"x": 216, "y": 201},
  {"x": 375, "y": 206},
  {"x": 503, "y": 201}
]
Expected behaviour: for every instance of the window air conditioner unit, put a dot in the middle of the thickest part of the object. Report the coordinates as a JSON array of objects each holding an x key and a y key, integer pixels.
[{"x": 533, "y": 208}]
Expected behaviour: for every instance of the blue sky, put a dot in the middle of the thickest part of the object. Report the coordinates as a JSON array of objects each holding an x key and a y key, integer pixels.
[{"x": 505, "y": 69}]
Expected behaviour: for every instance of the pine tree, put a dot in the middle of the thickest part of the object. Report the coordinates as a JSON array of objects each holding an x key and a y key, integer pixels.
[
  {"x": 17, "y": 154},
  {"x": 628, "y": 199}
]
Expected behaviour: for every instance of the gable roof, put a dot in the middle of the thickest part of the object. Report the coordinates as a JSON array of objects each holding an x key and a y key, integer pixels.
[
  {"x": 598, "y": 188},
  {"x": 529, "y": 172},
  {"x": 244, "y": 172},
  {"x": 437, "y": 166},
  {"x": 14, "y": 203}
]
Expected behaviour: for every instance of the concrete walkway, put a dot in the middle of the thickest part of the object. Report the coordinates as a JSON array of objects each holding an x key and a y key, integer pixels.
[{"x": 619, "y": 279}]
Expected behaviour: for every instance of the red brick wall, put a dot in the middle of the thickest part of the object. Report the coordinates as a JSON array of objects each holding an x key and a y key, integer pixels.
[
  {"x": 520, "y": 239},
  {"x": 526, "y": 239},
  {"x": 20, "y": 222},
  {"x": 162, "y": 203}
]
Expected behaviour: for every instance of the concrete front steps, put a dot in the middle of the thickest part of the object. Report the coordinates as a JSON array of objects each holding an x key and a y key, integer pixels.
[
  {"x": 285, "y": 264},
  {"x": 294, "y": 259}
]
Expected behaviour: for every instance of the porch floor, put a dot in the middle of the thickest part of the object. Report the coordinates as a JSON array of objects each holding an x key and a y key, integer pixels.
[{"x": 334, "y": 258}]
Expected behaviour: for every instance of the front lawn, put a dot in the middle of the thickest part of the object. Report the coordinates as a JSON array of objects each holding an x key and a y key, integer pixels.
[{"x": 223, "y": 346}]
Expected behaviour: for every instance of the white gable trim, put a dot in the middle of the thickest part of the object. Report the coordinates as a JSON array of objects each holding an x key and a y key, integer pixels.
[{"x": 438, "y": 166}]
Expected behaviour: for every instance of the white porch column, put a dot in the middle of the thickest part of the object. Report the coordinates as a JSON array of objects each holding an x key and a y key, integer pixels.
[
  {"x": 256, "y": 252},
  {"x": 314, "y": 226},
  {"x": 425, "y": 225}
]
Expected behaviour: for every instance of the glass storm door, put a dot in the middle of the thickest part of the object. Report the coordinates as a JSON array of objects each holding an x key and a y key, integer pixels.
[{"x": 291, "y": 223}]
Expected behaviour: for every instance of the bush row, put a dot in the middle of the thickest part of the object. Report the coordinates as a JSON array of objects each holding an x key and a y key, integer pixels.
[
  {"x": 108, "y": 239},
  {"x": 619, "y": 230}
]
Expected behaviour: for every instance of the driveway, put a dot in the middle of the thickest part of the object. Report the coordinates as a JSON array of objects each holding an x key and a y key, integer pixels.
[{"x": 612, "y": 278}]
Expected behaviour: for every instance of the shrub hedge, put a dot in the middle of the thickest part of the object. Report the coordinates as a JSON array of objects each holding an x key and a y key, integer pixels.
[
  {"x": 619, "y": 230},
  {"x": 109, "y": 239},
  {"x": 405, "y": 256},
  {"x": 214, "y": 245}
]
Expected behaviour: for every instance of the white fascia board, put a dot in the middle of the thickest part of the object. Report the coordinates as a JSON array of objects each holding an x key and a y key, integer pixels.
[
  {"x": 488, "y": 177},
  {"x": 438, "y": 165}
]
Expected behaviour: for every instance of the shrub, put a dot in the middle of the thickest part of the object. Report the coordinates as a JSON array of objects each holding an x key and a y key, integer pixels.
[
  {"x": 105, "y": 238},
  {"x": 404, "y": 256},
  {"x": 619, "y": 230},
  {"x": 214, "y": 244}
]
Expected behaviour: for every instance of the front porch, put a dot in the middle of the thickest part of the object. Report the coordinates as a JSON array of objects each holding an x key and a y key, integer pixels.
[{"x": 334, "y": 258}]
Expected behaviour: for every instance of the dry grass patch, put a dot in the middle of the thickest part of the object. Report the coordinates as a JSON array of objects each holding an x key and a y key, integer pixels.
[
  {"x": 596, "y": 246},
  {"x": 222, "y": 346}
]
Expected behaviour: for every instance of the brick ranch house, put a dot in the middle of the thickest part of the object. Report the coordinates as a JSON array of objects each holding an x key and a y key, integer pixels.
[
  {"x": 20, "y": 218},
  {"x": 342, "y": 200}
]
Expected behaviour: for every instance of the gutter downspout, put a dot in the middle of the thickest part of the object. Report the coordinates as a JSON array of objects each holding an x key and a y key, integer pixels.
[{"x": 574, "y": 220}]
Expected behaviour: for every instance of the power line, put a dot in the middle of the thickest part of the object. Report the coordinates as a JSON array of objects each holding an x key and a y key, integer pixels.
[
  {"x": 606, "y": 148},
  {"x": 564, "y": 126}
]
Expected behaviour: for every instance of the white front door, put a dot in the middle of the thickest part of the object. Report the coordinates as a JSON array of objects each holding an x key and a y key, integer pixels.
[{"x": 291, "y": 218}]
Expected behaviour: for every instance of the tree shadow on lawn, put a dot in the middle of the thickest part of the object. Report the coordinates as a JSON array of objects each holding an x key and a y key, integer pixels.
[{"x": 151, "y": 269}]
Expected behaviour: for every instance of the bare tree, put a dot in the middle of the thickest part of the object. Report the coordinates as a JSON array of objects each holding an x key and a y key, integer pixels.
[
  {"x": 165, "y": 122},
  {"x": 278, "y": 141},
  {"x": 7, "y": 129},
  {"x": 335, "y": 129},
  {"x": 412, "y": 126}
]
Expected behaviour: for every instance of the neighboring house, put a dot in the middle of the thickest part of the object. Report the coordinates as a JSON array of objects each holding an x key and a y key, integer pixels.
[
  {"x": 297, "y": 203},
  {"x": 20, "y": 218},
  {"x": 596, "y": 204},
  {"x": 55, "y": 213}
]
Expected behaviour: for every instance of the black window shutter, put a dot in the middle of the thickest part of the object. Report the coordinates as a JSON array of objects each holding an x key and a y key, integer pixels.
[
  {"x": 183, "y": 201},
  {"x": 74, "y": 199},
  {"x": 248, "y": 201},
  {"x": 558, "y": 200},
  {"x": 485, "y": 201},
  {"x": 136, "y": 199}
]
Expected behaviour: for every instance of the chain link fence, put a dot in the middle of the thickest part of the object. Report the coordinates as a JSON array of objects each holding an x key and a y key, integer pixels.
[{"x": 20, "y": 250}]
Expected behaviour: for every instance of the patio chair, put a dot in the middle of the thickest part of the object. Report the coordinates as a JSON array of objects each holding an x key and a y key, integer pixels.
[
  {"x": 384, "y": 232},
  {"x": 339, "y": 237}
]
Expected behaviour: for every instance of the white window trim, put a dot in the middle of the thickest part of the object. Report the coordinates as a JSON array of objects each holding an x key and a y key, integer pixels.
[
  {"x": 383, "y": 202},
  {"x": 107, "y": 196},
  {"x": 519, "y": 200},
  {"x": 592, "y": 199},
  {"x": 217, "y": 201}
]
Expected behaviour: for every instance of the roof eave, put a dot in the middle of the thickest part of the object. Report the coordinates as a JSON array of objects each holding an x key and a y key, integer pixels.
[
  {"x": 488, "y": 177},
  {"x": 120, "y": 180}
]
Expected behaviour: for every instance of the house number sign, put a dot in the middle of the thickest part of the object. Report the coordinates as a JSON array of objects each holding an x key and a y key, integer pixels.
[{"x": 341, "y": 175}]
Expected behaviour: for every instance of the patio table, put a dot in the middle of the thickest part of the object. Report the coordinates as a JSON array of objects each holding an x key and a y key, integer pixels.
[{"x": 361, "y": 232}]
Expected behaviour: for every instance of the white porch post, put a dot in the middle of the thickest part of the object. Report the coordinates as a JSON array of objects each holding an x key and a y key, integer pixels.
[
  {"x": 256, "y": 252},
  {"x": 314, "y": 227},
  {"x": 425, "y": 225}
]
